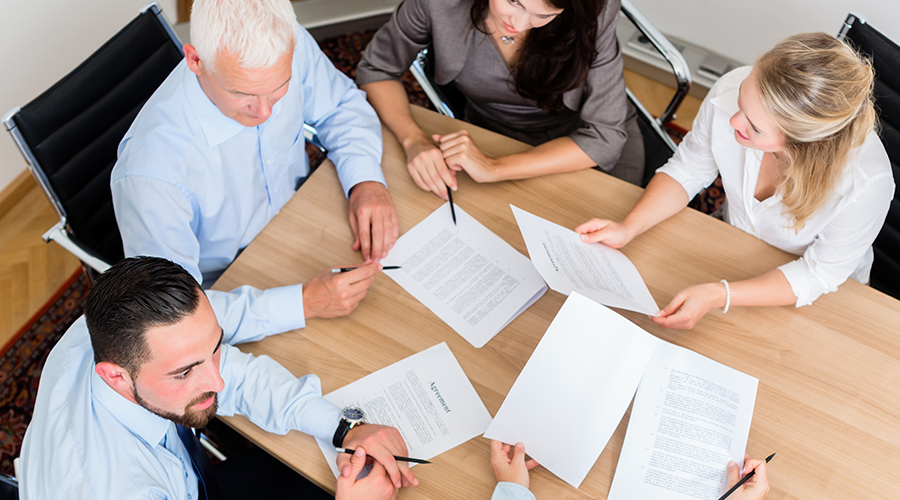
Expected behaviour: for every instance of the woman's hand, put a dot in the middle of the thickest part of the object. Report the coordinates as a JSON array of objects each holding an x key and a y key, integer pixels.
[
  {"x": 427, "y": 167},
  {"x": 756, "y": 487},
  {"x": 461, "y": 153},
  {"x": 611, "y": 234},
  {"x": 690, "y": 305},
  {"x": 511, "y": 469}
]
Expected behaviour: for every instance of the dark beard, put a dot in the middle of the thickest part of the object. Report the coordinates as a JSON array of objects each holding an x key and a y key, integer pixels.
[{"x": 190, "y": 418}]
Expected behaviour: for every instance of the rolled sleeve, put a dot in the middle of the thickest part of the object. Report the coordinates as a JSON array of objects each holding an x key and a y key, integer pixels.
[
  {"x": 273, "y": 398},
  {"x": 347, "y": 125},
  {"x": 843, "y": 245},
  {"x": 693, "y": 164}
]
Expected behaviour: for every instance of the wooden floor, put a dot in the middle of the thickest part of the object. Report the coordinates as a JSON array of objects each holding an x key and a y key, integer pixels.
[{"x": 31, "y": 271}]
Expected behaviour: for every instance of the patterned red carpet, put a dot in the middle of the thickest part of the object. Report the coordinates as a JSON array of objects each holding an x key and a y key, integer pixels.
[{"x": 21, "y": 364}]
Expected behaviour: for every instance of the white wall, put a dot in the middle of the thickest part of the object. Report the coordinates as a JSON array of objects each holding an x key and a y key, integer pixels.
[
  {"x": 742, "y": 29},
  {"x": 45, "y": 39}
]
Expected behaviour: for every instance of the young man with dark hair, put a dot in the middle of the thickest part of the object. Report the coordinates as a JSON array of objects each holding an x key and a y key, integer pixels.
[{"x": 148, "y": 361}]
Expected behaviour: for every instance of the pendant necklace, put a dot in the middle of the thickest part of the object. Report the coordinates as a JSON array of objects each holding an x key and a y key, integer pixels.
[{"x": 508, "y": 40}]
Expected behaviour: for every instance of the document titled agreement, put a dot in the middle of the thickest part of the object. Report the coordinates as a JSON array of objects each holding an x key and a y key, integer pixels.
[
  {"x": 426, "y": 396},
  {"x": 465, "y": 274},
  {"x": 596, "y": 271},
  {"x": 690, "y": 417}
]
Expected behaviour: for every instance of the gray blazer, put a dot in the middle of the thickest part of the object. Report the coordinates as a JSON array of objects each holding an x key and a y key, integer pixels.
[{"x": 599, "y": 106}]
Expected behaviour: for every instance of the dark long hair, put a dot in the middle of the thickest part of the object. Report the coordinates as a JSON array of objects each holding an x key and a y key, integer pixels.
[{"x": 556, "y": 57}]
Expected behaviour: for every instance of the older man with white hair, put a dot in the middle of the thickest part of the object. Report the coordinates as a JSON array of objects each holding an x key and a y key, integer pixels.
[{"x": 218, "y": 150}]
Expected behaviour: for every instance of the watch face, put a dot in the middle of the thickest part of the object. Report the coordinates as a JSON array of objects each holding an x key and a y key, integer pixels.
[{"x": 353, "y": 414}]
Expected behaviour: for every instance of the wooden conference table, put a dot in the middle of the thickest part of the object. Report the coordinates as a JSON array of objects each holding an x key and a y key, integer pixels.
[{"x": 829, "y": 374}]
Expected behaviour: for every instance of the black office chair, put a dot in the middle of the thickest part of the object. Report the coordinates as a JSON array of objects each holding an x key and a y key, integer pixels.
[
  {"x": 9, "y": 488},
  {"x": 885, "y": 56},
  {"x": 70, "y": 133},
  {"x": 658, "y": 146}
]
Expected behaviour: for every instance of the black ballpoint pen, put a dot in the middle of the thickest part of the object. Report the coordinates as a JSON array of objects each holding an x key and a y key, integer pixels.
[
  {"x": 399, "y": 459},
  {"x": 450, "y": 199},
  {"x": 744, "y": 480},
  {"x": 348, "y": 269}
]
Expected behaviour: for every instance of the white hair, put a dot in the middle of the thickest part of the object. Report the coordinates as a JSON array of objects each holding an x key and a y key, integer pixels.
[{"x": 258, "y": 32}]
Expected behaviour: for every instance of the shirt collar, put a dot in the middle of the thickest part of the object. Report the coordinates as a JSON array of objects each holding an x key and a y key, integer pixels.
[
  {"x": 140, "y": 421},
  {"x": 217, "y": 127}
]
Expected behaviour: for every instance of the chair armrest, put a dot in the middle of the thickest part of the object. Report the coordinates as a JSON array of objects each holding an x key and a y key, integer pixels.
[
  {"x": 59, "y": 234},
  {"x": 668, "y": 51}
]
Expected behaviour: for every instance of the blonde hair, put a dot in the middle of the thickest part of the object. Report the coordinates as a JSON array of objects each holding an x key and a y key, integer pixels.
[
  {"x": 258, "y": 32},
  {"x": 818, "y": 91}
]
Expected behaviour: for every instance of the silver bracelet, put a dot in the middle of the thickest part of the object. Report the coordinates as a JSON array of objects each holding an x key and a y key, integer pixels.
[{"x": 727, "y": 296}]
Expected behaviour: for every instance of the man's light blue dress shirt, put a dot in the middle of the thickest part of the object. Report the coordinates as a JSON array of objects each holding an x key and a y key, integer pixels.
[
  {"x": 195, "y": 186},
  {"x": 88, "y": 442}
]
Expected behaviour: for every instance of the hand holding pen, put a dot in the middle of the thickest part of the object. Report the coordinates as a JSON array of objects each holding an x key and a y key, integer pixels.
[{"x": 755, "y": 483}]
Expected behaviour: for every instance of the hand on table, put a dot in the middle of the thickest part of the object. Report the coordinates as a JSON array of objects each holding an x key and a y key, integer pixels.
[
  {"x": 461, "y": 153},
  {"x": 426, "y": 166},
  {"x": 511, "y": 469},
  {"x": 330, "y": 295},
  {"x": 756, "y": 487},
  {"x": 611, "y": 234},
  {"x": 690, "y": 305},
  {"x": 375, "y": 486},
  {"x": 373, "y": 220},
  {"x": 381, "y": 443}
]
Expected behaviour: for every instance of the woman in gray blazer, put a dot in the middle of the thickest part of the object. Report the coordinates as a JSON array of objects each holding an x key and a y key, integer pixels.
[{"x": 546, "y": 72}]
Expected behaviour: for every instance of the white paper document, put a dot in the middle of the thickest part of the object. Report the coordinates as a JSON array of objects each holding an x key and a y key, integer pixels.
[
  {"x": 465, "y": 274},
  {"x": 426, "y": 396},
  {"x": 596, "y": 271},
  {"x": 691, "y": 415},
  {"x": 575, "y": 388}
]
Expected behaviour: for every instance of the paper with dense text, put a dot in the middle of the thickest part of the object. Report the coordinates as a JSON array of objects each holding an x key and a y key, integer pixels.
[
  {"x": 465, "y": 274},
  {"x": 426, "y": 396},
  {"x": 596, "y": 271}
]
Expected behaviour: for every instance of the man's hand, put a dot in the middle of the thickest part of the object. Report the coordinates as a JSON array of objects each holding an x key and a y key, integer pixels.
[
  {"x": 511, "y": 469},
  {"x": 330, "y": 295},
  {"x": 373, "y": 220},
  {"x": 756, "y": 487},
  {"x": 375, "y": 486},
  {"x": 381, "y": 443},
  {"x": 426, "y": 166},
  {"x": 461, "y": 153}
]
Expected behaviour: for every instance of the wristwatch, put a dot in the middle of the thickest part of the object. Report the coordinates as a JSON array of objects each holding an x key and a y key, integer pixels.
[{"x": 351, "y": 416}]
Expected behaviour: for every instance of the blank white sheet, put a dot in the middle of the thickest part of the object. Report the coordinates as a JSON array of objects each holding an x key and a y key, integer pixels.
[
  {"x": 596, "y": 271},
  {"x": 575, "y": 388}
]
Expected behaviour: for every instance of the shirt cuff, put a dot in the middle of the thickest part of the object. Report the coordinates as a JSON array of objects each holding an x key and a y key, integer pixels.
[
  {"x": 350, "y": 177},
  {"x": 286, "y": 308},
  {"x": 511, "y": 491},
  {"x": 320, "y": 418}
]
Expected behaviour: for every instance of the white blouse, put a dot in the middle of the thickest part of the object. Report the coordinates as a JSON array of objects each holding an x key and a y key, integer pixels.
[{"x": 835, "y": 243}]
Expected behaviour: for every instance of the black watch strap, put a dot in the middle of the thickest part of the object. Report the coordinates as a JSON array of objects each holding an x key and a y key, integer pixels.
[{"x": 342, "y": 429}]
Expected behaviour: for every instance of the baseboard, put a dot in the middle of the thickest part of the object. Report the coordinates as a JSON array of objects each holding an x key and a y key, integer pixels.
[{"x": 15, "y": 191}]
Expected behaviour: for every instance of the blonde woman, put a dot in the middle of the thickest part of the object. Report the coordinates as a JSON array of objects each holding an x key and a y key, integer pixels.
[{"x": 803, "y": 169}]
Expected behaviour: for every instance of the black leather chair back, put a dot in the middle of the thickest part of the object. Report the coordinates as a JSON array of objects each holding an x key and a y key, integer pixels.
[
  {"x": 74, "y": 128},
  {"x": 885, "y": 56}
]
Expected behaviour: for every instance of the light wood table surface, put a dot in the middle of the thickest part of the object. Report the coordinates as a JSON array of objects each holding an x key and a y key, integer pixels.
[{"x": 829, "y": 374}]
